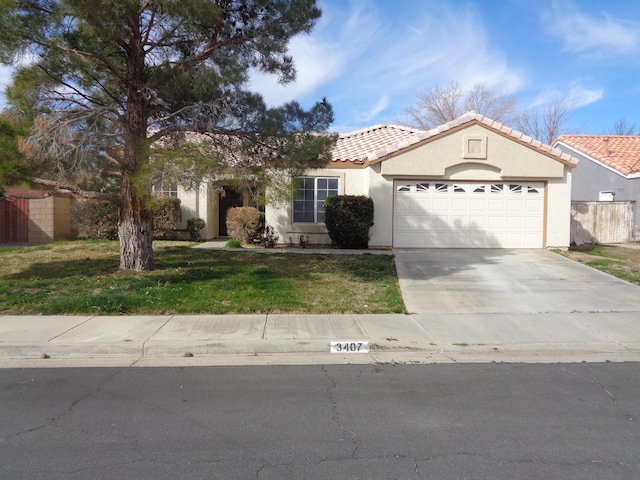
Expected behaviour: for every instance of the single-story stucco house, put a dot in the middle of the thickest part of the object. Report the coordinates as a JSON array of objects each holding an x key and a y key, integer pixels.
[
  {"x": 609, "y": 167},
  {"x": 470, "y": 183}
]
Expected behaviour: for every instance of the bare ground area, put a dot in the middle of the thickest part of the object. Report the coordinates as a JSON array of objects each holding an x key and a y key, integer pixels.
[{"x": 620, "y": 261}]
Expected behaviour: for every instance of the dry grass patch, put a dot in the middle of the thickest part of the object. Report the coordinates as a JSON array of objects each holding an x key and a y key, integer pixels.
[{"x": 620, "y": 262}]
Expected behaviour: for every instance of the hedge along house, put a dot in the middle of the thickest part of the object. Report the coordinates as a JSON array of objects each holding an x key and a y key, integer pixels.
[{"x": 470, "y": 183}]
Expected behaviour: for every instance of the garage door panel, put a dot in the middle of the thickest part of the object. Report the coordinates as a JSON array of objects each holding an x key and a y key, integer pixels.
[
  {"x": 514, "y": 223},
  {"x": 467, "y": 215},
  {"x": 533, "y": 205},
  {"x": 497, "y": 205},
  {"x": 480, "y": 223},
  {"x": 440, "y": 205},
  {"x": 478, "y": 205},
  {"x": 531, "y": 224}
]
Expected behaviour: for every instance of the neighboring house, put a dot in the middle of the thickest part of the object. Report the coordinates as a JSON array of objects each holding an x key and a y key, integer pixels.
[
  {"x": 470, "y": 183},
  {"x": 609, "y": 167}
]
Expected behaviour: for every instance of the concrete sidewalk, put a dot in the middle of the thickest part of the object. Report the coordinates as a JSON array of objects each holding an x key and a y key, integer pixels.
[{"x": 190, "y": 340}]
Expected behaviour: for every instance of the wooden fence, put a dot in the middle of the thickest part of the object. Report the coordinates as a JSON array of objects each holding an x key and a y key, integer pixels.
[
  {"x": 14, "y": 220},
  {"x": 602, "y": 222}
]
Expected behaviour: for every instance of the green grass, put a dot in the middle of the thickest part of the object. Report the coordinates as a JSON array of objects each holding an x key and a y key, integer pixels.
[
  {"x": 620, "y": 262},
  {"x": 83, "y": 278}
]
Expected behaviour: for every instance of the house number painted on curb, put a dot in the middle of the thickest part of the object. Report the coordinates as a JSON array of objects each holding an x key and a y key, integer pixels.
[{"x": 350, "y": 346}]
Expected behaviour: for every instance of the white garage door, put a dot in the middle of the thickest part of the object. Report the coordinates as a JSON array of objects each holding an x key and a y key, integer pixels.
[{"x": 438, "y": 214}]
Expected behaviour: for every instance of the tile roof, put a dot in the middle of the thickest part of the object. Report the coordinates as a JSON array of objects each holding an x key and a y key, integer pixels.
[
  {"x": 619, "y": 152},
  {"x": 374, "y": 143}
]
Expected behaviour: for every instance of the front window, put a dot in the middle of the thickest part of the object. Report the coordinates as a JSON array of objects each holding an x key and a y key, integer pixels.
[
  {"x": 308, "y": 203},
  {"x": 165, "y": 187}
]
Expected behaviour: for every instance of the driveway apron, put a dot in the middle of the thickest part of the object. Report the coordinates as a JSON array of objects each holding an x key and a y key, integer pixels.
[{"x": 517, "y": 299}]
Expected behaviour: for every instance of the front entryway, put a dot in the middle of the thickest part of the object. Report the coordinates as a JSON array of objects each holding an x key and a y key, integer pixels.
[
  {"x": 445, "y": 214},
  {"x": 230, "y": 198}
]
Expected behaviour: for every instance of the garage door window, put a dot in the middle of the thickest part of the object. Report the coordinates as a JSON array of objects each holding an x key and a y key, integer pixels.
[{"x": 308, "y": 204}]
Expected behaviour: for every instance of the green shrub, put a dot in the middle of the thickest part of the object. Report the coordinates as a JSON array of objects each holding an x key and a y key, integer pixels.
[
  {"x": 99, "y": 219},
  {"x": 243, "y": 223},
  {"x": 95, "y": 219},
  {"x": 348, "y": 219},
  {"x": 233, "y": 243},
  {"x": 166, "y": 212},
  {"x": 194, "y": 226}
]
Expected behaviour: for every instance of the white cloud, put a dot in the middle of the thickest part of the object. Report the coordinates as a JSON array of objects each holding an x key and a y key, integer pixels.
[
  {"x": 370, "y": 114},
  {"x": 592, "y": 34},
  {"x": 581, "y": 96},
  {"x": 372, "y": 66},
  {"x": 320, "y": 57},
  {"x": 576, "y": 95}
]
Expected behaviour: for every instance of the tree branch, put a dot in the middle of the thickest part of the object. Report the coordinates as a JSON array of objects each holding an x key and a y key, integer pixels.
[{"x": 72, "y": 188}]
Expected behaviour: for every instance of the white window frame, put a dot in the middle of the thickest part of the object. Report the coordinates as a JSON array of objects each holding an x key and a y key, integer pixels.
[
  {"x": 318, "y": 210},
  {"x": 163, "y": 187}
]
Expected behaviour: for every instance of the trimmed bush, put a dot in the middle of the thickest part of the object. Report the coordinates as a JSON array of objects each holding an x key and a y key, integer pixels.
[
  {"x": 194, "y": 226},
  {"x": 99, "y": 219},
  {"x": 348, "y": 219},
  {"x": 95, "y": 219},
  {"x": 166, "y": 212},
  {"x": 243, "y": 223}
]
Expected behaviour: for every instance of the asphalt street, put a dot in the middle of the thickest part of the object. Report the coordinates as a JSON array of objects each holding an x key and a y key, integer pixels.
[{"x": 480, "y": 421}]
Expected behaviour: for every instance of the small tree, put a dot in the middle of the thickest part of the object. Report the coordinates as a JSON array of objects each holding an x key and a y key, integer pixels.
[
  {"x": 109, "y": 80},
  {"x": 438, "y": 105},
  {"x": 243, "y": 223},
  {"x": 547, "y": 124},
  {"x": 623, "y": 126},
  {"x": 348, "y": 219},
  {"x": 194, "y": 227}
]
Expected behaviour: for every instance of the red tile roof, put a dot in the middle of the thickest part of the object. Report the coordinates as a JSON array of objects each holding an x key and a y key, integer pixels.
[
  {"x": 376, "y": 142},
  {"x": 619, "y": 152},
  {"x": 373, "y": 142}
]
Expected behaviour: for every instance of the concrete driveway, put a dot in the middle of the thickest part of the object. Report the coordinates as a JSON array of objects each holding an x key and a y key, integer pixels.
[
  {"x": 507, "y": 281},
  {"x": 519, "y": 300}
]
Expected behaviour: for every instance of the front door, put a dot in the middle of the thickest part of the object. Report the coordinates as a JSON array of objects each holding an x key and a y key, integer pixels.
[{"x": 229, "y": 199}]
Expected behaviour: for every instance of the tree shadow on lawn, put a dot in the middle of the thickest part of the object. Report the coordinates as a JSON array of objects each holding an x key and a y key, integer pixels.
[
  {"x": 197, "y": 265},
  {"x": 186, "y": 265}
]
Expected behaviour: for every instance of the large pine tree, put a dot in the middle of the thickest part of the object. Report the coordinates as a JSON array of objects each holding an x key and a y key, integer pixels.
[{"x": 106, "y": 79}]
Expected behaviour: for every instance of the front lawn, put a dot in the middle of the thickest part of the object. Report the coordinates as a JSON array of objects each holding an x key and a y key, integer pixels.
[
  {"x": 82, "y": 277},
  {"x": 620, "y": 262}
]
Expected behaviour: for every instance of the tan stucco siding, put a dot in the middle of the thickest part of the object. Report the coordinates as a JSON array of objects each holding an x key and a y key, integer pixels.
[
  {"x": 381, "y": 192},
  {"x": 558, "y": 211},
  {"x": 351, "y": 182},
  {"x": 504, "y": 158}
]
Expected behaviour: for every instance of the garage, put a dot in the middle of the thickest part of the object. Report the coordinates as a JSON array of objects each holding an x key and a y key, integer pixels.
[{"x": 447, "y": 214}]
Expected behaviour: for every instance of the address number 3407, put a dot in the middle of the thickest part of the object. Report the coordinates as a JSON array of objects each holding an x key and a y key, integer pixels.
[{"x": 350, "y": 346}]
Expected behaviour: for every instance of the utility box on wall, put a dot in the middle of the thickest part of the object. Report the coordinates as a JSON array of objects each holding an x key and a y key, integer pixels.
[{"x": 606, "y": 196}]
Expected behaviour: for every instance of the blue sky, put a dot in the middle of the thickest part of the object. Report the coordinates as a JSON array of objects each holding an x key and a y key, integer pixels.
[{"x": 371, "y": 58}]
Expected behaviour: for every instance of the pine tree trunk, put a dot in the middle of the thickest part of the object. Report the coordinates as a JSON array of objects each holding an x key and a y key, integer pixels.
[{"x": 135, "y": 231}]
